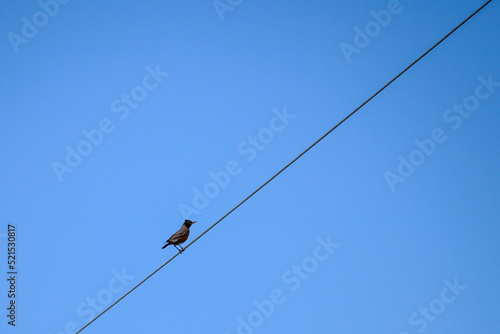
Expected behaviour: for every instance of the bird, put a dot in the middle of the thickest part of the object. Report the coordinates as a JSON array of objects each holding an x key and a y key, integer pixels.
[{"x": 180, "y": 236}]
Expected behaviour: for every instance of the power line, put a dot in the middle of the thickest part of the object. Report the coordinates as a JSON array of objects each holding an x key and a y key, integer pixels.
[{"x": 291, "y": 162}]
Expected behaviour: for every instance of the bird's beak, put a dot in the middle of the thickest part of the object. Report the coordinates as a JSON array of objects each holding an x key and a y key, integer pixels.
[{"x": 194, "y": 222}]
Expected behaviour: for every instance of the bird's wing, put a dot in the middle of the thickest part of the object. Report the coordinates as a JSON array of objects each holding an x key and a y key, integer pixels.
[{"x": 178, "y": 234}]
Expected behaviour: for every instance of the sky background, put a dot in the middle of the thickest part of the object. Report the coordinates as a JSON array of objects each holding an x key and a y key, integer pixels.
[{"x": 400, "y": 247}]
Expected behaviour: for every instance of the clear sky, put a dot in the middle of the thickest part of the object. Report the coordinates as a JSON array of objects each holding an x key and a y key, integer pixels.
[{"x": 121, "y": 119}]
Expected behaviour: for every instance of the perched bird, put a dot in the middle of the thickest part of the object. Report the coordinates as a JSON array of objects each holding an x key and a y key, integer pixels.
[{"x": 180, "y": 236}]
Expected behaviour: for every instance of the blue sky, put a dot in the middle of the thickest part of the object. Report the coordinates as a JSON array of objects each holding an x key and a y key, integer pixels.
[{"x": 120, "y": 121}]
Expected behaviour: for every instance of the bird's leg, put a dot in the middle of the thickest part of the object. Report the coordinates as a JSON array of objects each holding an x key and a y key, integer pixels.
[{"x": 180, "y": 250}]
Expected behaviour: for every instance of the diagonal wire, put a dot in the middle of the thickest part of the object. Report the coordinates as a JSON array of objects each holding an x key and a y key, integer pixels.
[{"x": 291, "y": 162}]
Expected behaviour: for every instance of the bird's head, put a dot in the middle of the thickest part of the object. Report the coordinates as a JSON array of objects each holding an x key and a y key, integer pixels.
[{"x": 188, "y": 222}]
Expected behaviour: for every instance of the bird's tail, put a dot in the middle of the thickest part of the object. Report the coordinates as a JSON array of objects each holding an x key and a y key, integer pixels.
[{"x": 165, "y": 245}]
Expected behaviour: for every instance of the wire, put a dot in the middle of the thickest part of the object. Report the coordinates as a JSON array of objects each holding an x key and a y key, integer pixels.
[{"x": 291, "y": 162}]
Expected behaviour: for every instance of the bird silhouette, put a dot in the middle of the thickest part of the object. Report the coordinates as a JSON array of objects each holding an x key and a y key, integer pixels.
[{"x": 180, "y": 236}]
